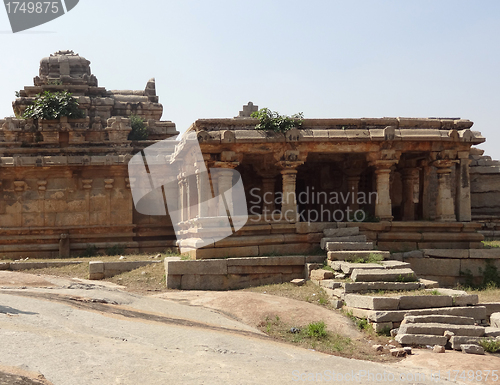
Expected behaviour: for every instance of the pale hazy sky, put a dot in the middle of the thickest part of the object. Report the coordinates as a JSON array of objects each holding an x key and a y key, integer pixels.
[{"x": 329, "y": 58}]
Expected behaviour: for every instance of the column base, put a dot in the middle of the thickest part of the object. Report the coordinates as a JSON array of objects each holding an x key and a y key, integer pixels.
[{"x": 446, "y": 218}]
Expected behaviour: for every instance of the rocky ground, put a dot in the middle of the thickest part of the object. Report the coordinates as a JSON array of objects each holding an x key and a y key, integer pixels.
[{"x": 73, "y": 331}]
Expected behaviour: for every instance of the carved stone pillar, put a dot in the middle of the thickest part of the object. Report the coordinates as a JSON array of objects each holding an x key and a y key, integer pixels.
[
  {"x": 225, "y": 179},
  {"x": 463, "y": 188},
  {"x": 268, "y": 195},
  {"x": 445, "y": 208},
  {"x": 182, "y": 198},
  {"x": 383, "y": 205},
  {"x": 289, "y": 205},
  {"x": 410, "y": 178},
  {"x": 288, "y": 171},
  {"x": 353, "y": 189},
  {"x": 204, "y": 192}
]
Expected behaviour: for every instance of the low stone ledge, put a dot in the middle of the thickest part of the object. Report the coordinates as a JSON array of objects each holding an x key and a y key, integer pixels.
[
  {"x": 438, "y": 329},
  {"x": 232, "y": 273},
  {"x": 371, "y": 302},
  {"x": 408, "y": 302},
  {"x": 420, "y": 339},
  {"x": 491, "y": 307}
]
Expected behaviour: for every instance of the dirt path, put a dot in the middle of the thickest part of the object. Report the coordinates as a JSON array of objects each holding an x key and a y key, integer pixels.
[{"x": 85, "y": 332}]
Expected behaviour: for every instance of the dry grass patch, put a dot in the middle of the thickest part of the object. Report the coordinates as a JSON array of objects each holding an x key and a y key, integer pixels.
[
  {"x": 490, "y": 294},
  {"x": 70, "y": 271},
  {"x": 309, "y": 292},
  {"x": 316, "y": 336},
  {"x": 144, "y": 280}
]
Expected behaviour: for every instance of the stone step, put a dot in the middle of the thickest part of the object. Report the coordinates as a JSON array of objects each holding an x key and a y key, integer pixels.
[
  {"x": 438, "y": 329},
  {"x": 345, "y": 232},
  {"x": 361, "y": 287},
  {"x": 330, "y": 284},
  {"x": 348, "y": 267},
  {"x": 385, "y": 275},
  {"x": 420, "y": 339},
  {"x": 395, "y": 264},
  {"x": 491, "y": 332},
  {"x": 458, "y": 341},
  {"x": 354, "y": 255},
  {"x": 409, "y": 302},
  {"x": 348, "y": 246},
  {"x": 371, "y": 302},
  {"x": 355, "y": 238},
  {"x": 478, "y": 313},
  {"x": 438, "y": 318}
]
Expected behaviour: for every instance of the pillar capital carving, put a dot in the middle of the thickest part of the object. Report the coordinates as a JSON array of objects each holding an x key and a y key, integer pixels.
[
  {"x": 383, "y": 165},
  {"x": 443, "y": 166},
  {"x": 288, "y": 165},
  {"x": 226, "y": 165}
]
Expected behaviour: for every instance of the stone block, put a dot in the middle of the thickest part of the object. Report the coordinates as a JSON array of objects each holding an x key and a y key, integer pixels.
[
  {"x": 420, "y": 339},
  {"x": 443, "y": 281},
  {"x": 457, "y": 341},
  {"x": 223, "y": 252},
  {"x": 386, "y": 275},
  {"x": 435, "y": 266},
  {"x": 438, "y": 329},
  {"x": 204, "y": 267},
  {"x": 203, "y": 282},
  {"x": 413, "y": 254},
  {"x": 348, "y": 246},
  {"x": 330, "y": 284},
  {"x": 309, "y": 267},
  {"x": 465, "y": 300},
  {"x": 354, "y": 238},
  {"x": 491, "y": 307},
  {"x": 381, "y": 327},
  {"x": 234, "y": 241},
  {"x": 360, "y": 287},
  {"x": 267, "y": 261},
  {"x": 446, "y": 253},
  {"x": 485, "y": 253},
  {"x": 491, "y": 331},
  {"x": 345, "y": 232},
  {"x": 353, "y": 255},
  {"x": 395, "y": 264},
  {"x": 408, "y": 302},
  {"x": 476, "y": 312},
  {"x": 348, "y": 267},
  {"x": 495, "y": 320},
  {"x": 396, "y": 246},
  {"x": 428, "y": 284},
  {"x": 313, "y": 227},
  {"x": 173, "y": 281},
  {"x": 438, "y": 318},
  {"x": 321, "y": 274},
  {"x": 472, "y": 349},
  {"x": 293, "y": 249},
  {"x": 242, "y": 281},
  {"x": 4, "y": 266},
  {"x": 439, "y": 349},
  {"x": 256, "y": 269},
  {"x": 371, "y": 302},
  {"x": 96, "y": 267},
  {"x": 298, "y": 281}
]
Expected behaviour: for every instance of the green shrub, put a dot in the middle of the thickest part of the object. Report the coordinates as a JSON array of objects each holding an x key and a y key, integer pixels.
[
  {"x": 490, "y": 345},
  {"x": 273, "y": 121},
  {"x": 90, "y": 251},
  {"x": 53, "y": 105},
  {"x": 139, "y": 128},
  {"x": 317, "y": 330},
  {"x": 115, "y": 250}
]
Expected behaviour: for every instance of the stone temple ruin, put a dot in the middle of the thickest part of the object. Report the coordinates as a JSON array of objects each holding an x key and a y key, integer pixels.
[
  {"x": 407, "y": 184},
  {"x": 66, "y": 181}
]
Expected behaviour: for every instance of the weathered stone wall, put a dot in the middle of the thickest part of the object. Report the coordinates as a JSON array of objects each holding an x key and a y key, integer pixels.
[
  {"x": 485, "y": 192},
  {"x": 64, "y": 183},
  {"x": 233, "y": 273}
]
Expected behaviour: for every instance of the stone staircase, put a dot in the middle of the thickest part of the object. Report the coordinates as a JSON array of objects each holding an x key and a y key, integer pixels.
[{"x": 390, "y": 296}]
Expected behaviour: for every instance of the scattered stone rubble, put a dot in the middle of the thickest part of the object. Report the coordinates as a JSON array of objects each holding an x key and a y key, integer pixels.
[{"x": 443, "y": 318}]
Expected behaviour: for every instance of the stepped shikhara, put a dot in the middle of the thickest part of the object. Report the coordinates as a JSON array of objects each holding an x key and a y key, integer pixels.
[{"x": 65, "y": 181}]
